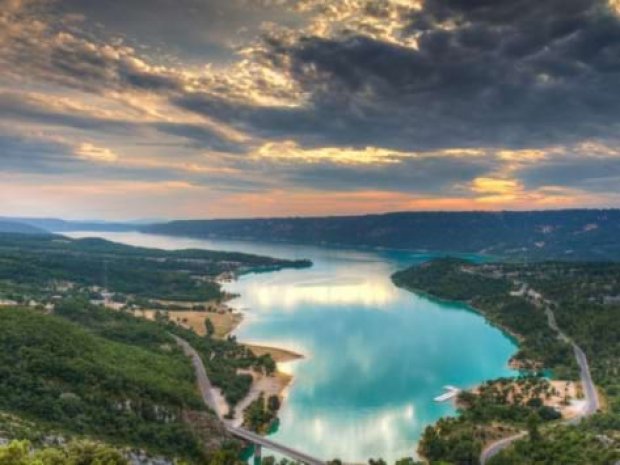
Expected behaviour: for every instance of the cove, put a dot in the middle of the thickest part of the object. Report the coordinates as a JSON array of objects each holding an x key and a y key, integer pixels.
[{"x": 375, "y": 355}]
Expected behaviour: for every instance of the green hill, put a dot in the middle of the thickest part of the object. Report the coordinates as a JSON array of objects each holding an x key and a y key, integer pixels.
[
  {"x": 34, "y": 260},
  {"x": 565, "y": 234},
  {"x": 15, "y": 227},
  {"x": 62, "y": 376}
]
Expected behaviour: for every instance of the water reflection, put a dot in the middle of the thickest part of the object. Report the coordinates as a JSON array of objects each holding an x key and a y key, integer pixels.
[
  {"x": 376, "y": 355},
  {"x": 344, "y": 291}
]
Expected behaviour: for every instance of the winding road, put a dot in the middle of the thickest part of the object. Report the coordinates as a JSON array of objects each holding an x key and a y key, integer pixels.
[
  {"x": 204, "y": 385},
  {"x": 206, "y": 391},
  {"x": 590, "y": 394}
]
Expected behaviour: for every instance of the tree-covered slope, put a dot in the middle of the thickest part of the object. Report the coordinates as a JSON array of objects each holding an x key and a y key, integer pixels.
[
  {"x": 585, "y": 299},
  {"x": 15, "y": 227},
  {"x": 222, "y": 357},
  {"x": 149, "y": 273},
  {"x": 570, "y": 234},
  {"x": 62, "y": 376}
]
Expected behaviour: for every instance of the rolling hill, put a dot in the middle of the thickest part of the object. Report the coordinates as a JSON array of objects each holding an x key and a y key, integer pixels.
[{"x": 559, "y": 234}]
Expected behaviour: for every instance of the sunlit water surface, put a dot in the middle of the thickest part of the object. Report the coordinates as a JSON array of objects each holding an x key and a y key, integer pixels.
[{"x": 375, "y": 355}]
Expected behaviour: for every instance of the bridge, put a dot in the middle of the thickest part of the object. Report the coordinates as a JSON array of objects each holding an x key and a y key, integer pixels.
[
  {"x": 259, "y": 442},
  {"x": 206, "y": 392}
]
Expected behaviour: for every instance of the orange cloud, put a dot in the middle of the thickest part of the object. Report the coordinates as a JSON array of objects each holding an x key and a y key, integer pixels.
[
  {"x": 92, "y": 152},
  {"x": 496, "y": 186}
]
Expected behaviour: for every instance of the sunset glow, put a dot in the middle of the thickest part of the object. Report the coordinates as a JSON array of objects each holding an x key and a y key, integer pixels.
[{"x": 311, "y": 107}]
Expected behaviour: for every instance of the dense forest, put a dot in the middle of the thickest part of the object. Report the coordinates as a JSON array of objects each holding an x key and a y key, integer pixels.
[
  {"x": 37, "y": 260},
  {"x": 565, "y": 234},
  {"x": 90, "y": 371},
  {"x": 63, "y": 376},
  {"x": 222, "y": 358},
  {"x": 74, "y": 453},
  {"x": 74, "y": 368},
  {"x": 585, "y": 298}
]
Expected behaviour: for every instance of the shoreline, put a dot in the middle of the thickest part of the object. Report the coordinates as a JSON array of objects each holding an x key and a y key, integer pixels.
[
  {"x": 276, "y": 385},
  {"x": 516, "y": 338},
  {"x": 570, "y": 398},
  {"x": 226, "y": 319},
  {"x": 358, "y": 247}
]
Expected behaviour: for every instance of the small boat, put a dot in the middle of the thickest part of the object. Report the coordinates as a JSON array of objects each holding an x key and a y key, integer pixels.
[{"x": 452, "y": 392}]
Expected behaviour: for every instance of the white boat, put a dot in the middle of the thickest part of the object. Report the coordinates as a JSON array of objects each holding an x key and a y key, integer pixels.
[{"x": 452, "y": 392}]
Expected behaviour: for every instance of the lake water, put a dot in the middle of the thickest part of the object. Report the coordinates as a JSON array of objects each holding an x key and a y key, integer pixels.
[{"x": 375, "y": 355}]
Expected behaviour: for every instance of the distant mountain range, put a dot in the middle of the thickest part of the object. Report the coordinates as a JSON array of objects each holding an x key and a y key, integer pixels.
[
  {"x": 19, "y": 228},
  {"x": 561, "y": 234},
  {"x": 58, "y": 225},
  {"x": 553, "y": 234}
]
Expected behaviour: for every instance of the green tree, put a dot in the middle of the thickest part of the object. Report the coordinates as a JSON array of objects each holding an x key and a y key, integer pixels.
[
  {"x": 407, "y": 461},
  {"x": 532, "y": 427},
  {"x": 273, "y": 403},
  {"x": 209, "y": 326},
  {"x": 76, "y": 453}
]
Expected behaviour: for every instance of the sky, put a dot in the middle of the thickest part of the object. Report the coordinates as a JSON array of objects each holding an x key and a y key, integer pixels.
[{"x": 243, "y": 108}]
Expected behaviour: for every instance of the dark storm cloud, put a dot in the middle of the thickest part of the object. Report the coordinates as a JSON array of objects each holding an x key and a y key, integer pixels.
[
  {"x": 594, "y": 174},
  {"x": 45, "y": 156},
  {"x": 180, "y": 29},
  {"x": 201, "y": 137},
  {"x": 434, "y": 175},
  {"x": 336, "y": 94},
  {"x": 20, "y": 107},
  {"x": 486, "y": 73},
  {"x": 19, "y": 154}
]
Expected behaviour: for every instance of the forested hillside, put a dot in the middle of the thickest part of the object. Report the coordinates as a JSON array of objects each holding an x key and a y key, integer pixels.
[
  {"x": 566, "y": 234},
  {"x": 35, "y": 261},
  {"x": 69, "y": 380},
  {"x": 76, "y": 362},
  {"x": 13, "y": 227},
  {"x": 585, "y": 299}
]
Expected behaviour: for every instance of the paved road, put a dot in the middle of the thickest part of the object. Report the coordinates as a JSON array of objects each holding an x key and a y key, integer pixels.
[
  {"x": 204, "y": 385},
  {"x": 589, "y": 390},
  {"x": 266, "y": 443},
  {"x": 206, "y": 390},
  {"x": 590, "y": 393},
  {"x": 498, "y": 446}
]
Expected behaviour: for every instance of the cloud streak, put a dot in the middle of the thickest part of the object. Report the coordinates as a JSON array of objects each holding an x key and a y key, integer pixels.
[{"x": 428, "y": 104}]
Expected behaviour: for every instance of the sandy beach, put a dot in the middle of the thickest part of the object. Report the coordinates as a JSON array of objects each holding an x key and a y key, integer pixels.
[{"x": 225, "y": 320}]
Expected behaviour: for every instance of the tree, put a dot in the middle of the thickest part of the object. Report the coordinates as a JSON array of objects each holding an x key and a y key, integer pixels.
[
  {"x": 532, "y": 427},
  {"x": 209, "y": 326},
  {"x": 407, "y": 461},
  {"x": 76, "y": 453},
  {"x": 273, "y": 403}
]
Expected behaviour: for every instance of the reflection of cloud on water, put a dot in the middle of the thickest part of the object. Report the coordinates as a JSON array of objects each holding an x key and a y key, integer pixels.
[
  {"x": 336, "y": 282},
  {"x": 368, "y": 293},
  {"x": 359, "y": 437},
  {"x": 361, "y": 354}
]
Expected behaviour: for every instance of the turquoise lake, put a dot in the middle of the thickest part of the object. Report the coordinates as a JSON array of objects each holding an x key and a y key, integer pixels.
[{"x": 375, "y": 355}]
